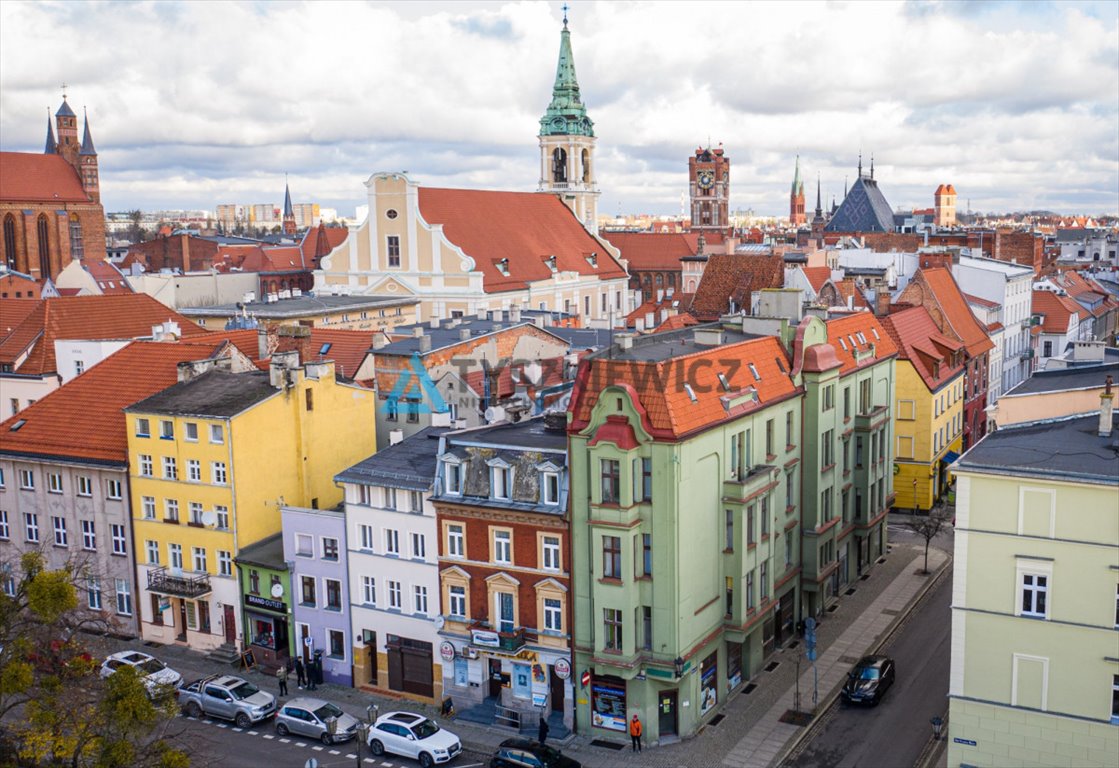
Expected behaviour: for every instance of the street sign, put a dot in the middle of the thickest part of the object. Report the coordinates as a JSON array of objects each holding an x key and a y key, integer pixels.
[
  {"x": 585, "y": 679},
  {"x": 810, "y": 624},
  {"x": 811, "y": 654}
]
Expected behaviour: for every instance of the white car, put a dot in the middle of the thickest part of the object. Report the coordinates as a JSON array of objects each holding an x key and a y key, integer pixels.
[
  {"x": 153, "y": 671},
  {"x": 415, "y": 736}
]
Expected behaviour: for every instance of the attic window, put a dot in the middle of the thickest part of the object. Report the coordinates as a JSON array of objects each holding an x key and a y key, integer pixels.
[
  {"x": 390, "y": 213},
  {"x": 15, "y": 427},
  {"x": 503, "y": 267},
  {"x": 875, "y": 332},
  {"x": 754, "y": 371},
  {"x": 843, "y": 343},
  {"x": 780, "y": 364},
  {"x": 691, "y": 393},
  {"x": 861, "y": 337},
  {"x": 551, "y": 262},
  {"x": 723, "y": 380},
  {"x": 592, "y": 259},
  {"x": 324, "y": 348},
  {"x": 851, "y": 339}
]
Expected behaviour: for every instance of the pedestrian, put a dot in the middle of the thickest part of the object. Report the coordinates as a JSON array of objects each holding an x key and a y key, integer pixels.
[
  {"x": 314, "y": 670},
  {"x": 282, "y": 677},
  {"x": 542, "y": 734},
  {"x": 300, "y": 675},
  {"x": 635, "y": 733}
]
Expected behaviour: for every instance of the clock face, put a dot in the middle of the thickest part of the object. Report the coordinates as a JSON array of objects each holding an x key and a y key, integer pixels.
[{"x": 706, "y": 179}]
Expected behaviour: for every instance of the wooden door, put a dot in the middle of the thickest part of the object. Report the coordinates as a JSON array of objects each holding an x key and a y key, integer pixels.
[{"x": 229, "y": 621}]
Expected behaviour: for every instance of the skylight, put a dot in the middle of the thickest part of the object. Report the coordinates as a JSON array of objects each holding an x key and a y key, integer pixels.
[
  {"x": 754, "y": 371},
  {"x": 15, "y": 427},
  {"x": 687, "y": 388},
  {"x": 723, "y": 380},
  {"x": 843, "y": 343},
  {"x": 324, "y": 348}
]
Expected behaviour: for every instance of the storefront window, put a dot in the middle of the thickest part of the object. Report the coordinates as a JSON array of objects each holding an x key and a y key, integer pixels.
[
  {"x": 734, "y": 665},
  {"x": 461, "y": 672},
  {"x": 262, "y": 633},
  {"x": 708, "y": 674},
  {"x": 608, "y": 703}
]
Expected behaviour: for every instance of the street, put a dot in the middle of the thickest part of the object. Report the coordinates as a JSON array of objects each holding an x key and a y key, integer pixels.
[
  {"x": 893, "y": 734},
  {"x": 216, "y": 743}
]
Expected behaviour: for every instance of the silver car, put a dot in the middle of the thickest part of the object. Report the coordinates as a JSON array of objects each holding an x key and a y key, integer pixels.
[
  {"x": 151, "y": 670},
  {"x": 312, "y": 717},
  {"x": 227, "y": 697}
]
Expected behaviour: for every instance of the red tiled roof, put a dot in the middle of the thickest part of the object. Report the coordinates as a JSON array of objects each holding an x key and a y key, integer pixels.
[
  {"x": 920, "y": 342},
  {"x": 675, "y": 323},
  {"x": 247, "y": 342},
  {"x": 734, "y": 276},
  {"x": 13, "y": 312},
  {"x": 658, "y": 386},
  {"x": 651, "y": 250},
  {"x": 817, "y": 276},
  {"x": 124, "y": 316},
  {"x": 83, "y": 418},
  {"x": 347, "y": 349},
  {"x": 32, "y": 177},
  {"x": 981, "y": 302},
  {"x": 848, "y": 328},
  {"x": 1055, "y": 310},
  {"x": 524, "y": 228},
  {"x": 109, "y": 279},
  {"x": 956, "y": 311}
]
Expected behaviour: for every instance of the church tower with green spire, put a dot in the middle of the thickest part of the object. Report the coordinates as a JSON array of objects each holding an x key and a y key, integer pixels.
[
  {"x": 567, "y": 142},
  {"x": 796, "y": 198}
]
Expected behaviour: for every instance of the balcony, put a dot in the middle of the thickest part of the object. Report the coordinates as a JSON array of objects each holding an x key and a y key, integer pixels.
[
  {"x": 163, "y": 582},
  {"x": 872, "y": 419},
  {"x": 1026, "y": 354}
]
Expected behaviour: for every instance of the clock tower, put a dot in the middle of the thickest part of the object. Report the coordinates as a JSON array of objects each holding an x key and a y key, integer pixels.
[
  {"x": 567, "y": 143},
  {"x": 709, "y": 182}
]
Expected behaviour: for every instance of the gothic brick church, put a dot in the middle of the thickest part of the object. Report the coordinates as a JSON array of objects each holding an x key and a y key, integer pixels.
[{"x": 50, "y": 203}]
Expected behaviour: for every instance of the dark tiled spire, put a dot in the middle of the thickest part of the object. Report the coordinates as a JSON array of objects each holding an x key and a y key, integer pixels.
[
  {"x": 64, "y": 110},
  {"x": 51, "y": 147},
  {"x": 87, "y": 139}
]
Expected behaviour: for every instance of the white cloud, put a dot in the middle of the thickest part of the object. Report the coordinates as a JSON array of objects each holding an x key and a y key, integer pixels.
[{"x": 193, "y": 104}]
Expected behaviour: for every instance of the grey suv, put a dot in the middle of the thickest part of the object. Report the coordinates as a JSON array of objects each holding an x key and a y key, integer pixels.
[
  {"x": 311, "y": 717},
  {"x": 227, "y": 697}
]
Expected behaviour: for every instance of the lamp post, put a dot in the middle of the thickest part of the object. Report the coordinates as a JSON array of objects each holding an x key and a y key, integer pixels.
[
  {"x": 362, "y": 735},
  {"x": 678, "y": 666},
  {"x": 937, "y": 724}
]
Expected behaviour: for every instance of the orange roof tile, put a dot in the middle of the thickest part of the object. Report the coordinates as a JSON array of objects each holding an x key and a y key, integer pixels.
[
  {"x": 956, "y": 311},
  {"x": 123, "y": 316},
  {"x": 96, "y": 398},
  {"x": 521, "y": 228},
  {"x": 735, "y": 276},
  {"x": 817, "y": 276},
  {"x": 1055, "y": 310},
  {"x": 13, "y": 312},
  {"x": 109, "y": 279},
  {"x": 920, "y": 342},
  {"x": 348, "y": 349},
  {"x": 652, "y": 250},
  {"x": 675, "y": 323},
  {"x": 859, "y": 331},
  {"x": 31, "y": 177}
]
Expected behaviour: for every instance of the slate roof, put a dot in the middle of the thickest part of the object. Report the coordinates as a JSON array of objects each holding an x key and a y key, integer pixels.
[
  {"x": 652, "y": 250},
  {"x": 863, "y": 210},
  {"x": 124, "y": 316},
  {"x": 584, "y": 338},
  {"x": 919, "y": 341},
  {"x": 446, "y": 336},
  {"x": 214, "y": 394},
  {"x": 32, "y": 177},
  {"x": 64, "y": 110},
  {"x": 735, "y": 276},
  {"x": 95, "y": 399},
  {"x": 267, "y": 553},
  {"x": 529, "y": 434},
  {"x": 301, "y": 306},
  {"x": 526, "y": 228},
  {"x": 1065, "y": 379},
  {"x": 87, "y": 140},
  {"x": 410, "y": 464},
  {"x": 1060, "y": 449}
]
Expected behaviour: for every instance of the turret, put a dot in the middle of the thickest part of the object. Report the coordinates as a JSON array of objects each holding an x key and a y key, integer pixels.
[
  {"x": 289, "y": 212},
  {"x": 51, "y": 145},
  {"x": 87, "y": 165}
]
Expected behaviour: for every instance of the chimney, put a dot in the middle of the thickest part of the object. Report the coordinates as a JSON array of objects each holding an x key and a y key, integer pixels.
[
  {"x": 624, "y": 340},
  {"x": 379, "y": 341},
  {"x": 459, "y": 424},
  {"x": 463, "y": 334},
  {"x": 1106, "y": 408},
  {"x": 417, "y": 332},
  {"x": 515, "y": 315},
  {"x": 425, "y": 343},
  {"x": 261, "y": 344},
  {"x": 709, "y": 337},
  {"x": 483, "y": 315},
  {"x": 441, "y": 419},
  {"x": 396, "y": 436},
  {"x": 433, "y": 322},
  {"x": 881, "y": 301}
]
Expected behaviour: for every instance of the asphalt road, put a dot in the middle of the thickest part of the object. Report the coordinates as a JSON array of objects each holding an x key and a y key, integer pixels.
[
  {"x": 893, "y": 734},
  {"x": 215, "y": 743}
]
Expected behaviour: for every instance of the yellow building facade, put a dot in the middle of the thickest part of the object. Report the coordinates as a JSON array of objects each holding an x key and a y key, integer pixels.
[
  {"x": 928, "y": 427},
  {"x": 212, "y": 460}
]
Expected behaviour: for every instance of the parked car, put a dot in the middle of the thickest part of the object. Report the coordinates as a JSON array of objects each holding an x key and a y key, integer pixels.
[
  {"x": 526, "y": 753},
  {"x": 868, "y": 682},
  {"x": 411, "y": 735},
  {"x": 311, "y": 717},
  {"x": 227, "y": 697},
  {"x": 151, "y": 670}
]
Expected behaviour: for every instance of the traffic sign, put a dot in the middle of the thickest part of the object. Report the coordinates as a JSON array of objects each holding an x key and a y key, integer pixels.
[
  {"x": 585, "y": 679},
  {"x": 812, "y": 654},
  {"x": 311, "y": 763}
]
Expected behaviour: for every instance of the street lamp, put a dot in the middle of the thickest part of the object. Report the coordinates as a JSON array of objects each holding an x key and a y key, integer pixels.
[
  {"x": 937, "y": 724},
  {"x": 678, "y": 664},
  {"x": 362, "y": 735}
]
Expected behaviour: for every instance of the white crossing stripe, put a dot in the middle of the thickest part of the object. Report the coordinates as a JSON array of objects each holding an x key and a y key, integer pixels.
[
  {"x": 300, "y": 744},
  {"x": 317, "y": 749},
  {"x": 237, "y": 730},
  {"x": 285, "y": 741},
  {"x": 269, "y": 736},
  {"x": 221, "y": 725},
  {"x": 335, "y": 752},
  {"x": 254, "y": 733}
]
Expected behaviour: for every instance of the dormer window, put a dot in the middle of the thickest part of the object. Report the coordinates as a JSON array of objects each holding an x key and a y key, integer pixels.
[
  {"x": 501, "y": 479},
  {"x": 861, "y": 337},
  {"x": 691, "y": 393},
  {"x": 851, "y": 340},
  {"x": 502, "y": 266},
  {"x": 876, "y": 336},
  {"x": 592, "y": 259},
  {"x": 551, "y": 263},
  {"x": 549, "y": 482},
  {"x": 843, "y": 343},
  {"x": 452, "y": 473}
]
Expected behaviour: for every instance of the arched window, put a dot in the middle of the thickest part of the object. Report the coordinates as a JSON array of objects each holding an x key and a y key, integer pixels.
[
  {"x": 77, "y": 250},
  {"x": 44, "y": 247},
  {"x": 660, "y": 279},
  {"x": 586, "y": 166},
  {"x": 559, "y": 165},
  {"x": 10, "y": 241}
]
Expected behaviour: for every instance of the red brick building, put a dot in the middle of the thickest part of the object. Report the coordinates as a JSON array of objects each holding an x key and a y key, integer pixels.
[{"x": 50, "y": 203}]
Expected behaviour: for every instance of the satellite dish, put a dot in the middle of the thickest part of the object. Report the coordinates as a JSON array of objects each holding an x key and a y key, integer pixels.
[
  {"x": 439, "y": 621},
  {"x": 209, "y": 519},
  {"x": 277, "y": 590}
]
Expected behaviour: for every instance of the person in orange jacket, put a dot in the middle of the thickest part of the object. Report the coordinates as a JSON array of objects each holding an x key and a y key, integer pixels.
[{"x": 635, "y": 733}]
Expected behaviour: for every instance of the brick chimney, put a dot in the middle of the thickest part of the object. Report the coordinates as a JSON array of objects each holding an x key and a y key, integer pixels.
[{"x": 881, "y": 301}]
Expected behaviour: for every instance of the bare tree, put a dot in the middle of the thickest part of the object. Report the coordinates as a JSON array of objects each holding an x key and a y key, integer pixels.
[{"x": 927, "y": 527}]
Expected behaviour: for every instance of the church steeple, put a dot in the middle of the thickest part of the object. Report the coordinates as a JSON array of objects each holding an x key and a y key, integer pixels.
[
  {"x": 796, "y": 197},
  {"x": 289, "y": 212},
  {"x": 567, "y": 141},
  {"x": 51, "y": 145},
  {"x": 87, "y": 164},
  {"x": 87, "y": 138}
]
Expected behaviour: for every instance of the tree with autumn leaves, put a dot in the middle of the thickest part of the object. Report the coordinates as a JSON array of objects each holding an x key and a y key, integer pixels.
[{"x": 55, "y": 709}]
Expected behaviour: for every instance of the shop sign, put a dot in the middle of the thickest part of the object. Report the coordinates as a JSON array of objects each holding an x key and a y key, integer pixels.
[
  {"x": 485, "y": 637},
  {"x": 562, "y": 668},
  {"x": 608, "y": 708},
  {"x": 708, "y": 695},
  {"x": 447, "y": 650},
  {"x": 263, "y": 602}
]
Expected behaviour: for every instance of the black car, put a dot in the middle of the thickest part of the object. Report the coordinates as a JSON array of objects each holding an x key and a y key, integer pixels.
[
  {"x": 868, "y": 682},
  {"x": 526, "y": 753}
]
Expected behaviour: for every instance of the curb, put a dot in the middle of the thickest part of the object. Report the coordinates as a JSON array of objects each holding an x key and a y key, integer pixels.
[
  {"x": 934, "y": 749},
  {"x": 827, "y": 702}
]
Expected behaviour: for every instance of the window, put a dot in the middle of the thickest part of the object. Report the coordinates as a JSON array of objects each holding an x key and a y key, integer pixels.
[
  {"x": 501, "y": 482},
  {"x": 143, "y": 428},
  {"x": 419, "y": 546},
  {"x": 225, "y": 562},
  {"x": 550, "y": 484},
  {"x": 191, "y": 429},
  {"x": 611, "y": 557},
  {"x": 456, "y": 541},
  {"x": 1035, "y": 589},
  {"x": 152, "y": 550},
  {"x": 750, "y": 604},
  {"x": 336, "y": 639},
  {"x": 864, "y": 396},
  {"x": 395, "y": 601},
  {"x": 365, "y": 536},
  {"x": 553, "y": 615},
  {"x": 31, "y": 527},
  {"x": 789, "y": 434},
  {"x": 60, "y": 537},
  {"x": 54, "y": 482},
  {"x": 645, "y": 567},
  {"x": 765, "y": 516},
  {"x": 329, "y": 548},
  {"x": 390, "y": 409},
  {"x": 217, "y": 434},
  {"x": 550, "y": 550},
  {"x": 829, "y": 397},
  {"x": 612, "y": 623},
  {"x": 1115, "y": 698},
  {"x": 89, "y": 535},
  {"x": 199, "y": 557},
  {"x": 145, "y": 465},
  {"x": 6, "y": 532},
  {"x": 222, "y": 515},
  {"x": 309, "y": 399},
  {"x": 611, "y": 481},
  {"x": 788, "y": 551},
  {"x": 858, "y": 451},
  {"x": 392, "y": 243},
  {"x": 170, "y": 511},
  {"x": 503, "y": 547},
  {"x": 79, "y": 367},
  {"x": 764, "y": 579},
  {"x": 217, "y": 472},
  {"x": 307, "y": 597},
  {"x": 254, "y": 581},
  {"x": 454, "y": 478},
  {"x": 419, "y": 599},
  {"x": 175, "y": 555},
  {"x": 93, "y": 594},
  {"x": 170, "y": 468},
  {"x": 77, "y": 249},
  {"x": 647, "y": 627},
  {"x": 392, "y": 542},
  {"x": 368, "y": 590},
  {"x": 825, "y": 505},
  {"x": 194, "y": 470},
  {"x": 457, "y": 601},
  {"x": 195, "y": 513},
  {"x": 113, "y": 490},
  {"x": 85, "y": 486},
  {"x": 846, "y": 403},
  {"x": 304, "y": 545},
  {"x": 416, "y": 503},
  {"x": 643, "y": 479},
  {"x": 769, "y": 438},
  {"x": 166, "y": 430},
  {"x": 333, "y": 594}
]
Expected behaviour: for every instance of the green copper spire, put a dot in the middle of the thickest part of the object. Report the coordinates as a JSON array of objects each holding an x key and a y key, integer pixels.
[{"x": 566, "y": 115}]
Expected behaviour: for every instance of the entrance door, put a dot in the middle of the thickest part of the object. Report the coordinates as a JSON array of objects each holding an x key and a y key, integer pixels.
[
  {"x": 370, "y": 638},
  {"x": 181, "y": 637},
  {"x": 495, "y": 677},
  {"x": 666, "y": 714},
  {"x": 229, "y": 621},
  {"x": 556, "y": 688},
  {"x": 204, "y": 615}
]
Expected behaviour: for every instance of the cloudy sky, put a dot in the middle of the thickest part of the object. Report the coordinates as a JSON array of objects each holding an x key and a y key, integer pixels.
[{"x": 194, "y": 104}]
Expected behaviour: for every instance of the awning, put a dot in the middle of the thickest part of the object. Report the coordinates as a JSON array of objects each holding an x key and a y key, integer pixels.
[{"x": 950, "y": 457}]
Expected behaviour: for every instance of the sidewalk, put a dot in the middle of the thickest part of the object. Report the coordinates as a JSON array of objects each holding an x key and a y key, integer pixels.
[{"x": 750, "y": 735}]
